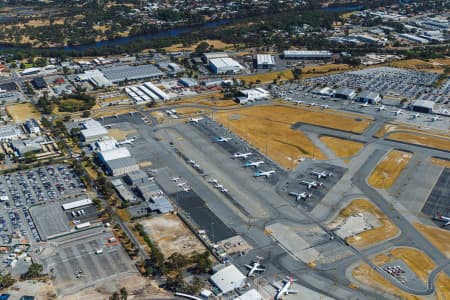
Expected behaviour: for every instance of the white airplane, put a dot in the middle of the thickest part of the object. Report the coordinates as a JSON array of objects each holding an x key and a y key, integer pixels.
[
  {"x": 321, "y": 174},
  {"x": 382, "y": 107},
  {"x": 253, "y": 163},
  {"x": 442, "y": 218},
  {"x": 266, "y": 173},
  {"x": 284, "y": 290},
  {"x": 311, "y": 184},
  {"x": 192, "y": 162},
  {"x": 212, "y": 180},
  {"x": 127, "y": 141},
  {"x": 313, "y": 104},
  {"x": 175, "y": 179},
  {"x": 397, "y": 112},
  {"x": 242, "y": 155},
  {"x": 219, "y": 186},
  {"x": 254, "y": 267},
  {"x": 299, "y": 102},
  {"x": 186, "y": 189},
  {"x": 325, "y": 106},
  {"x": 365, "y": 104},
  {"x": 195, "y": 120},
  {"x": 223, "y": 139},
  {"x": 416, "y": 115},
  {"x": 224, "y": 190},
  {"x": 300, "y": 196},
  {"x": 182, "y": 184},
  {"x": 435, "y": 118}
]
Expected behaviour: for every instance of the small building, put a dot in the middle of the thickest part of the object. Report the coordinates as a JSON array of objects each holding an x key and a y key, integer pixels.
[
  {"x": 121, "y": 166},
  {"x": 39, "y": 83},
  {"x": 188, "y": 82},
  {"x": 148, "y": 190},
  {"x": 77, "y": 204},
  {"x": 250, "y": 295},
  {"x": 264, "y": 61},
  {"x": 32, "y": 126},
  {"x": 251, "y": 95},
  {"x": 161, "y": 204},
  {"x": 123, "y": 191},
  {"x": 225, "y": 65},
  {"x": 326, "y": 91},
  {"x": 423, "y": 106},
  {"x": 228, "y": 279},
  {"x": 136, "y": 177},
  {"x": 307, "y": 54},
  {"x": 23, "y": 146},
  {"x": 92, "y": 130},
  {"x": 9, "y": 132},
  {"x": 344, "y": 93},
  {"x": 369, "y": 97}
]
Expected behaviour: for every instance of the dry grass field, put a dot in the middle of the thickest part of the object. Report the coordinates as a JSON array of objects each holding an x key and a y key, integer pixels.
[
  {"x": 220, "y": 103},
  {"x": 389, "y": 169},
  {"x": 22, "y": 112},
  {"x": 172, "y": 235},
  {"x": 370, "y": 237},
  {"x": 440, "y": 162},
  {"x": 112, "y": 111},
  {"x": 342, "y": 147},
  {"x": 433, "y": 65},
  {"x": 415, "y": 259},
  {"x": 436, "y": 235},
  {"x": 322, "y": 70},
  {"x": 268, "y": 77},
  {"x": 422, "y": 140}
]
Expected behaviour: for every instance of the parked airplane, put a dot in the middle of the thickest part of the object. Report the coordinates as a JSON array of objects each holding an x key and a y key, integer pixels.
[
  {"x": 266, "y": 173},
  {"x": 325, "y": 106},
  {"x": 397, "y": 112},
  {"x": 300, "y": 196},
  {"x": 182, "y": 184},
  {"x": 416, "y": 115},
  {"x": 311, "y": 184},
  {"x": 435, "y": 118},
  {"x": 175, "y": 179},
  {"x": 442, "y": 218},
  {"x": 219, "y": 186},
  {"x": 284, "y": 290},
  {"x": 223, "y": 139},
  {"x": 195, "y": 120},
  {"x": 313, "y": 104},
  {"x": 253, "y": 163},
  {"x": 192, "y": 162},
  {"x": 382, "y": 107},
  {"x": 224, "y": 190},
  {"x": 365, "y": 104},
  {"x": 242, "y": 155},
  {"x": 186, "y": 189},
  {"x": 212, "y": 180},
  {"x": 321, "y": 174},
  {"x": 255, "y": 267},
  {"x": 127, "y": 141},
  {"x": 299, "y": 102}
]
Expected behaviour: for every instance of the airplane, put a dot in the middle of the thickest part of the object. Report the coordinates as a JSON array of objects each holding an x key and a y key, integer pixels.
[
  {"x": 195, "y": 120},
  {"x": 416, "y": 115},
  {"x": 300, "y": 196},
  {"x": 325, "y": 106},
  {"x": 365, "y": 104},
  {"x": 299, "y": 102},
  {"x": 219, "y": 186},
  {"x": 192, "y": 162},
  {"x": 284, "y": 290},
  {"x": 435, "y": 118},
  {"x": 253, "y": 163},
  {"x": 223, "y": 139},
  {"x": 397, "y": 112},
  {"x": 224, "y": 190},
  {"x": 175, "y": 179},
  {"x": 442, "y": 218},
  {"x": 186, "y": 189},
  {"x": 242, "y": 155},
  {"x": 131, "y": 113},
  {"x": 321, "y": 174},
  {"x": 382, "y": 107},
  {"x": 116, "y": 116},
  {"x": 254, "y": 267},
  {"x": 127, "y": 141},
  {"x": 212, "y": 180},
  {"x": 182, "y": 184},
  {"x": 311, "y": 184},
  {"x": 266, "y": 173},
  {"x": 312, "y": 104}
]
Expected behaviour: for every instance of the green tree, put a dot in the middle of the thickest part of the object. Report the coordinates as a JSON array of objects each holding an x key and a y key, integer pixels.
[
  {"x": 123, "y": 293},
  {"x": 34, "y": 271},
  {"x": 6, "y": 281}
]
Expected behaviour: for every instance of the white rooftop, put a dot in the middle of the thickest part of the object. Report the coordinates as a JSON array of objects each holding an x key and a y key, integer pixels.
[
  {"x": 115, "y": 153},
  {"x": 106, "y": 145},
  {"x": 224, "y": 62},
  {"x": 228, "y": 279},
  {"x": 250, "y": 295},
  {"x": 265, "y": 59}
]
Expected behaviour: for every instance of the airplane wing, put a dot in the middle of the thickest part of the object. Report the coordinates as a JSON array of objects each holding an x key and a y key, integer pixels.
[
  {"x": 292, "y": 292},
  {"x": 276, "y": 285},
  {"x": 248, "y": 266},
  {"x": 446, "y": 224},
  {"x": 260, "y": 269}
]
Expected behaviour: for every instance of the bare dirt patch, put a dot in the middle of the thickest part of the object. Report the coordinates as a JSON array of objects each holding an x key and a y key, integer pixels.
[{"x": 22, "y": 112}]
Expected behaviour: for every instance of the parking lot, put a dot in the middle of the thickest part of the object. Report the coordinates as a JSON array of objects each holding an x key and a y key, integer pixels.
[{"x": 314, "y": 180}]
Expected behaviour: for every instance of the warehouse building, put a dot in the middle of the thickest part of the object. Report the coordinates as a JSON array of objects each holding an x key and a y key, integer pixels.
[
  {"x": 9, "y": 132},
  {"x": 208, "y": 56},
  {"x": 250, "y": 95},
  {"x": 105, "y": 145},
  {"x": 122, "y": 73},
  {"x": 413, "y": 38},
  {"x": 264, "y": 61},
  {"x": 77, "y": 204},
  {"x": 228, "y": 279},
  {"x": 369, "y": 97},
  {"x": 188, "y": 82},
  {"x": 92, "y": 130},
  {"x": 326, "y": 91},
  {"x": 136, "y": 177},
  {"x": 123, "y": 191},
  {"x": 225, "y": 65},
  {"x": 344, "y": 93},
  {"x": 121, "y": 166},
  {"x": 95, "y": 77},
  {"x": 250, "y": 295},
  {"x": 307, "y": 54},
  {"x": 148, "y": 190},
  {"x": 423, "y": 106},
  {"x": 161, "y": 204},
  {"x": 32, "y": 126},
  {"x": 157, "y": 91}
]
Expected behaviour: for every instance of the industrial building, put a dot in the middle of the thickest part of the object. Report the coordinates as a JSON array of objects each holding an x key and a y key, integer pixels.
[
  {"x": 225, "y": 65},
  {"x": 208, "y": 56},
  {"x": 9, "y": 132},
  {"x": 264, "y": 61},
  {"x": 123, "y": 191},
  {"x": 92, "y": 131},
  {"x": 250, "y": 95},
  {"x": 39, "y": 83},
  {"x": 121, "y": 166},
  {"x": 306, "y": 54},
  {"x": 413, "y": 38},
  {"x": 105, "y": 145},
  {"x": 188, "y": 82},
  {"x": 326, "y": 91},
  {"x": 77, "y": 204},
  {"x": 121, "y": 73},
  {"x": 228, "y": 279},
  {"x": 344, "y": 93},
  {"x": 23, "y": 146},
  {"x": 423, "y": 106},
  {"x": 250, "y": 295},
  {"x": 161, "y": 204},
  {"x": 368, "y": 97},
  {"x": 95, "y": 77},
  {"x": 32, "y": 126},
  {"x": 136, "y": 177}
]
